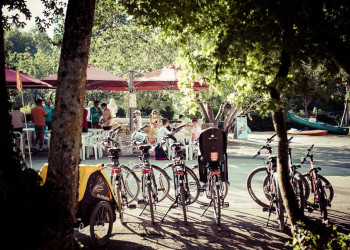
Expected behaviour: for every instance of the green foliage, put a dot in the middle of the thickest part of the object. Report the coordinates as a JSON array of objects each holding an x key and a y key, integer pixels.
[{"x": 318, "y": 236}]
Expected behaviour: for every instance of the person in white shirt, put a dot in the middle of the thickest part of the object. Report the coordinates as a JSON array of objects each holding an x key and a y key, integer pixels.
[
  {"x": 163, "y": 130},
  {"x": 90, "y": 104},
  {"x": 137, "y": 119},
  {"x": 17, "y": 118},
  {"x": 112, "y": 107},
  {"x": 196, "y": 130}
]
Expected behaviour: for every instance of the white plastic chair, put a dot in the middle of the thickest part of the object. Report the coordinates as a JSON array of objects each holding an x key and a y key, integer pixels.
[
  {"x": 93, "y": 143},
  {"x": 19, "y": 136}
]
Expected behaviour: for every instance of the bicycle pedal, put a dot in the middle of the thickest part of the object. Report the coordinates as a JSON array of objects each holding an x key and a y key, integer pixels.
[
  {"x": 132, "y": 206},
  {"x": 225, "y": 204},
  {"x": 161, "y": 189},
  {"x": 265, "y": 209},
  {"x": 141, "y": 202}
]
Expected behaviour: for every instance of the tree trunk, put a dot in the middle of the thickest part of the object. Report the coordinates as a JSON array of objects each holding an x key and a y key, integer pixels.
[
  {"x": 287, "y": 193},
  {"x": 306, "y": 104},
  {"x": 9, "y": 168},
  {"x": 200, "y": 104},
  {"x": 230, "y": 117},
  {"x": 62, "y": 177}
]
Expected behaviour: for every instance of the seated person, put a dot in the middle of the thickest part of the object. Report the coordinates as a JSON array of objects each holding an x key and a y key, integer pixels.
[{"x": 163, "y": 130}]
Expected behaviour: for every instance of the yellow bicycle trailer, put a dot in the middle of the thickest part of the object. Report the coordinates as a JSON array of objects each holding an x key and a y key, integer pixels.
[{"x": 96, "y": 202}]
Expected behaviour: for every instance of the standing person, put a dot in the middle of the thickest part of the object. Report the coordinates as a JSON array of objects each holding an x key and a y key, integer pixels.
[
  {"x": 96, "y": 113},
  {"x": 106, "y": 117},
  {"x": 17, "y": 118},
  {"x": 113, "y": 107},
  {"x": 137, "y": 119},
  {"x": 153, "y": 133},
  {"x": 183, "y": 120},
  {"x": 154, "y": 117},
  {"x": 85, "y": 123},
  {"x": 49, "y": 110},
  {"x": 88, "y": 119},
  {"x": 38, "y": 114},
  {"x": 196, "y": 130}
]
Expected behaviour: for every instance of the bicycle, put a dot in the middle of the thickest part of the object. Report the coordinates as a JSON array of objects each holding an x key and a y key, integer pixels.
[
  {"x": 319, "y": 185},
  {"x": 212, "y": 166},
  {"x": 153, "y": 192},
  {"x": 186, "y": 184},
  {"x": 121, "y": 186},
  {"x": 258, "y": 181}
]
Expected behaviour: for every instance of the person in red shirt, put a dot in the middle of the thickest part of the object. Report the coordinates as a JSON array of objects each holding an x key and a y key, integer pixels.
[
  {"x": 38, "y": 114},
  {"x": 85, "y": 122}
]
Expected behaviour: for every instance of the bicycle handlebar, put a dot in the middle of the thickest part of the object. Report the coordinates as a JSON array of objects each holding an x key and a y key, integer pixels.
[
  {"x": 266, "y": 146},
  {"x": 171, "y": 134},
  {"x": 307, "y": 154}
]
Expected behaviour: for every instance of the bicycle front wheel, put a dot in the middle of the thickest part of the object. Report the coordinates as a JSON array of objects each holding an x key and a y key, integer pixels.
[
  {"x": 298, "y": 189},
  {"x": 162, "y": 182},
  {"x": 258, "y": 185},
  {"x": 328, "y": 188},
  {"x": 131, "y": 184}
]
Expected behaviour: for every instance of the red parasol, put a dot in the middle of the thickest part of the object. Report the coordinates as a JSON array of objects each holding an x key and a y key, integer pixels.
[
  {"x": 27, "y": 80},
  {"x": 164, "y": 79},
  {"x": 97, "y": 79}
]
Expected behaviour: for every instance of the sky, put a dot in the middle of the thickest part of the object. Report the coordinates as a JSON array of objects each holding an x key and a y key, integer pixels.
[{"x": 36, "y": 8}]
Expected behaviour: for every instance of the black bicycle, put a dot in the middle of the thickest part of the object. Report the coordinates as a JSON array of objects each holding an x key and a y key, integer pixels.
[
  {"x": 212, "y": 168},
  {"x": 125, "y": 189},
  {"x": 154, "y": 180},
  {"x": 186, "y": 184}
]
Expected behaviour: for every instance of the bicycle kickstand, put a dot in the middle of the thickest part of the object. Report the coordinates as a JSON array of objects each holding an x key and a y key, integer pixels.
[
  {"x": 207, "y": 207},
  {"x": 143, "y": 209},
  {"x": 172, "y": 205},
  {"x": 270, "y": 210}
]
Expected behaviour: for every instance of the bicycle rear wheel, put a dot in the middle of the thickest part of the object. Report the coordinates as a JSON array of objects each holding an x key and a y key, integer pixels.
[
  {"x": 183, "y": 202},
  {"x": 298, "y": 189},
  {"x": 101, "y": 223},
  {"x": 258, "y": 185},
  {"x": 120, "y": 204},
  {"x": 217, "y": 203},
  {"x": 279, "y": 206},
  {"x": 322, "y": 200},
  {"x": 192, "y": 184},
  {"x": 150, "y": 202}
]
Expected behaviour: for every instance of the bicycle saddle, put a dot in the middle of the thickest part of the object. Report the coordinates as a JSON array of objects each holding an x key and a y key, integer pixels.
[
  {"x": 144, "y": 147},
  {"x": 176, "y": 144}
]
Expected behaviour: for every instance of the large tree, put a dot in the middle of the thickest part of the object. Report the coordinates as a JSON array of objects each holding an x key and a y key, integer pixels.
[{"x": 257, "y": 45}]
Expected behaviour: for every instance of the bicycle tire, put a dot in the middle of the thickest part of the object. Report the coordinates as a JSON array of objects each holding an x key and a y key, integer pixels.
[
  {"x": 329, "y": 191},
  {"x": 217, "y": 204},
  {"x": 150, "y": 203},
  {"x": 279, "y": 206},
  {"x": 298, "y": 189},
  {"x": 120, "y": 205},
  {"x": 101, "y": 215},
  {"x": 131, "y": 184},
  {"x": 322, "y": 200},
  {"x": 191, "y": 183},
  {"x": 259, "y": 192},
  {"x": 183, "y": 203},
  {"x": 163, "y": 186}
]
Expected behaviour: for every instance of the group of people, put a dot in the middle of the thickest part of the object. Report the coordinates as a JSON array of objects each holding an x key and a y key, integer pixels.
[
  {"x": 95, "y": 116},
  {"x": 158, "y": 131},
  {"x": 41, "y": 117}
]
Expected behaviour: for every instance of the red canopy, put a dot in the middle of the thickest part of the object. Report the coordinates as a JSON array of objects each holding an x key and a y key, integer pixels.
[
  {"x": 97, "y": 79},
  {"x": 163, "y": 79},
  {"x": 27, "y": 80}
]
